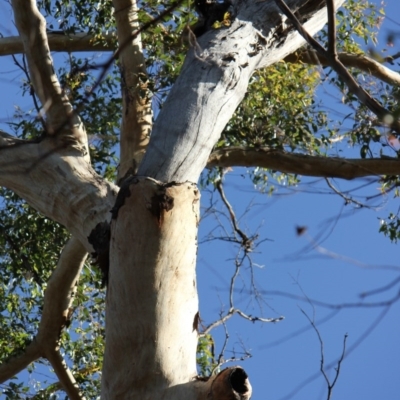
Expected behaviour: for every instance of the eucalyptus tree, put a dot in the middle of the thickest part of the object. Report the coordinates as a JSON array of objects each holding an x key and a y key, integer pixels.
[{"x": 139, "y": 221}]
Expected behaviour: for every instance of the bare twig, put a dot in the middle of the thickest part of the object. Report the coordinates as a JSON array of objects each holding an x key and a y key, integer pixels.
[
  {"x": 24, "y": 69},
  {"x": 360, "y": 304},
  {"x": 246, "y": 242},
  {"x": 330, "y": 385},
  {"x": 348, "y": 200},
  {"x": 315, "y": 376},
  {"x": 381, "y": 289}
]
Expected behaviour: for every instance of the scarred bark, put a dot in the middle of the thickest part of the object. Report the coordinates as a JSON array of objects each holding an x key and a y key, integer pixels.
[{"x": 152, "y": 300}]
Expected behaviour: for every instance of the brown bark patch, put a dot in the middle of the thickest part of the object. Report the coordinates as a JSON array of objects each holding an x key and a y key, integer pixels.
[
  {"x": 99, "y": 238},
  {"x": 161, "y": 203}
]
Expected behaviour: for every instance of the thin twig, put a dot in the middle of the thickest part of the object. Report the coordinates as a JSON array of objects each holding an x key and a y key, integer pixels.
[
  {"x": 315, "y": 376},
  {"x": 24, "y": 69},
  {"x": 347, "y": 199},
  {"x": 330, "y": 385},
  {"x": 246, "y": 242}
]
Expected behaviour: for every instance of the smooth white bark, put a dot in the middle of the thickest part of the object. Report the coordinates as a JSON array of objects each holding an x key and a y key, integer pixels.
[
  {"x": 212, "y": 83},
  {"x": 58, "y": 182}
]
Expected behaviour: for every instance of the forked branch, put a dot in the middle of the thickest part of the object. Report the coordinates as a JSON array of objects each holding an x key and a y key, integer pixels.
[{"x": 331, "y": 55}]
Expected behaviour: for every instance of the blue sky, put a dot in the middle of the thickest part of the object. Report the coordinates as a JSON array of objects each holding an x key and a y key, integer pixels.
[{"x": 353, "y": 258}]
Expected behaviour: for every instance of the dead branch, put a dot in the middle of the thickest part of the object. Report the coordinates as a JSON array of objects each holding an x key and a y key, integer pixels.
[
  {"x": 301, "y": 164},
  {"x": 331, "y": 55},
  {"x": 313, "y": 377},
  {"x": 347, "y": 199},
  {"x": 245, "y": 242}
]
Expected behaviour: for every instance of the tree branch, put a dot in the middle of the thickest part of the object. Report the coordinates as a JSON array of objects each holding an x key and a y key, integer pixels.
[
  {"x": 359, "y": 61},
  {"x": 56, "y": 313},
  {"x": 16, "y": 364},
  {"x": 62, "y": 42},
  {"x": 300, "y": 164},
  {"x": 59, "y": 294},
  {"x": 65, "y": 189},
  {"x": 214, "y": 79},
  {"x": 32, "y": 29},
  {"x": 363, "y": 96},
  {"x": 136, "y": 113},
  {"x": 64, "y": 374}
]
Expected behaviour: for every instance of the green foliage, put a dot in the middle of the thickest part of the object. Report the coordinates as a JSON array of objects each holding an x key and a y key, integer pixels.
[
  {"x": 391, "y": 227},
  {"x": 206, "y": 362}
]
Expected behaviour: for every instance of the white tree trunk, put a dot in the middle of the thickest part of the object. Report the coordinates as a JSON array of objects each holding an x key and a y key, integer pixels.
[{"x": 152, "y": 305}]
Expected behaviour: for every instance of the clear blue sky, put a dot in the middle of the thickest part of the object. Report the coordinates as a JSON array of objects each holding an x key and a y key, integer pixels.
[{"x": 283, "y": 359}]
